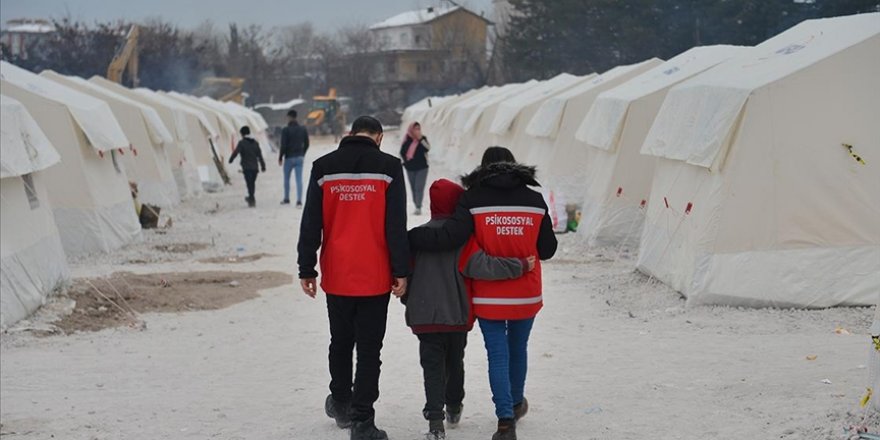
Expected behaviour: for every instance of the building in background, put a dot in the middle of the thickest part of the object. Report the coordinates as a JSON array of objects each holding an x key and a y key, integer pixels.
[
  {"x": 21, "y": 34},
  {"x": 430, "y": 51}
]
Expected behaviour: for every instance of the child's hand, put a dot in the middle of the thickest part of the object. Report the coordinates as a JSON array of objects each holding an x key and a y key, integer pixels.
[{"x": 531, "y": 260}]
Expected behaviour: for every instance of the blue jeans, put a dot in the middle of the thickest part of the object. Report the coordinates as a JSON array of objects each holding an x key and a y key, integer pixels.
[
  {"x": 506, "y": 346},
  {"x": 290, "y": 164}
]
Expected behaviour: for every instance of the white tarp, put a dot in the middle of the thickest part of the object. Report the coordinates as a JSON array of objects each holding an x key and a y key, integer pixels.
[
  {"x": 786, "y": 215},
  {"x": 24, "y": 148},
  {"x": 617, "y": 177},
  {"x": 714, "y": 102},
  {"x": 510, "y": 108},
  {"x": 92, "y": 115},
  {"x": 146, "y": 162},
  {"x": 32, "y": 262}
]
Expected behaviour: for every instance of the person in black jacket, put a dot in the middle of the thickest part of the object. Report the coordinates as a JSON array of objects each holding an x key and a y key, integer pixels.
[
  {"x": 414, "y": 152},
  {"x": 355, "y": 213},
  {"x": 251, "y": 162},
  {"x": 291, "y": 155}
]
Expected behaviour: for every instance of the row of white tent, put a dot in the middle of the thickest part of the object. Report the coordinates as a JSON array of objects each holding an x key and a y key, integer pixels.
[
  {"x": 746, "y": 176},
  {"x": 70, "y": 148}
]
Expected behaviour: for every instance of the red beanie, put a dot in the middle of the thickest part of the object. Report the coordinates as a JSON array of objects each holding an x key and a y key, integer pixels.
[{"x": 444, "y": 197}]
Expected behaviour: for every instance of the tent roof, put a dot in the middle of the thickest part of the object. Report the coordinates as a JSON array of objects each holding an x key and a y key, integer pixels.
[
  {"x": 510, "y": 108},
  {"x": 92, "y": 115},
  {"x": 499, "y": 95},
  {"x": 604, "y": 122},
  {"x": 195, "y": 102},
  {"x": 158, "y": 132},
  {"x": 548, "y": 117},
  {"x": 203, "y": 120},
  {"x": 238, "y": 118},
  {"x": 698, "y": 116},
  {"x": 24, "y": 148}
]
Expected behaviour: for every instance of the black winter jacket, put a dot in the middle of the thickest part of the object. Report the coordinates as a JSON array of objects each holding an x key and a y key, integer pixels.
[
  {"x": 294, "y": 141},
  {"x": 251, "y": 155},
  {"x": 420, "y": 159}
]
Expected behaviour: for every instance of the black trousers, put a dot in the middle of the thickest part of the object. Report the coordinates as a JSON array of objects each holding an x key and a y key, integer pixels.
[
  {"x": 442, "y": 358},
  {"x": 356, "y": 322},
  {"x": 250, "y": 179}
]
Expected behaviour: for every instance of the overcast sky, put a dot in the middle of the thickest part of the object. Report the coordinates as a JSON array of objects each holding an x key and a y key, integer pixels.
[{"x": 325, "y": 14}]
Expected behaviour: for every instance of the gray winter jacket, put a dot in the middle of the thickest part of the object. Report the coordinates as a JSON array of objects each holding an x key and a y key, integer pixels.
[{"x": 437, "y": 299}]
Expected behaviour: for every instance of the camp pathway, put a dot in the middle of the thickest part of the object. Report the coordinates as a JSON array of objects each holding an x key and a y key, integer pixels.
[{"x": 613, "y": 355}]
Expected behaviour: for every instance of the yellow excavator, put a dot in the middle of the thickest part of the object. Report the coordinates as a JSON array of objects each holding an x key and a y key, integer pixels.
[
  {"x": 126, "y": 58},
  {"x": 224, "y": 89},
  {"x": 327, "y": 114}
]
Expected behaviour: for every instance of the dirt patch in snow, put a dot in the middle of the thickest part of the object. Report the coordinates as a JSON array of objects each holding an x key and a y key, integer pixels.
[
  {"x": 118, "y": 299},
  {"x": 181, "y": 248}
]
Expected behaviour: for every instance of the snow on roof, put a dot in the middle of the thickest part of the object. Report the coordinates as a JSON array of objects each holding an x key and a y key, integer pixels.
[
  {"x": 29, "y": 26},
  {"x": 280, "y": 105},
  {"x": 410, "y": 18}
]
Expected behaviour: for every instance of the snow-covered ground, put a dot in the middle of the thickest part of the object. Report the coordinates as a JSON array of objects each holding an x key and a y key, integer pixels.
[{"x": 613, "y": 355}]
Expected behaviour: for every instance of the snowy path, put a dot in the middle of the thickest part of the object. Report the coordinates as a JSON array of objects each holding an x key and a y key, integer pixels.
[{"x": 611, "y": 357}]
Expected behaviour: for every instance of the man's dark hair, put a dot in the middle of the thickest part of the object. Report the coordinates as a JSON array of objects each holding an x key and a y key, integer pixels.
[
  {"x": 245, "y": 130},
  {"x": 291, "y": 113},
  {"x": 366, "y": 124},
  {"x": 497, "y": 154}
]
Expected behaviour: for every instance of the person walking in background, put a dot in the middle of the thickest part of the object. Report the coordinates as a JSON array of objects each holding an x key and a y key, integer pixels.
[
  {"x": 414, "y": 152},
  {"x": 507, "y": 219},
  {"x": 355, "y": 212},
  {"x": 292, "y": 154},
  {"x": 251, "y": 162},
  {"x": 438, "y": 310}
]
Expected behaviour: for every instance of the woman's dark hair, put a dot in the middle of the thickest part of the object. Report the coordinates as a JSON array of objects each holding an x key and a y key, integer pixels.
[
  {"x": 245, "y": 130},
  {"x": 366, "y": 124},
  {"x": 497, "y": 154}
]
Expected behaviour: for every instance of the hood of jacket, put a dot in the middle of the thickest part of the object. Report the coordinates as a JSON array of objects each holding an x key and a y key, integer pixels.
[
  {"x": 502, "y": 175},
  {"x": 444, "y": 197}
]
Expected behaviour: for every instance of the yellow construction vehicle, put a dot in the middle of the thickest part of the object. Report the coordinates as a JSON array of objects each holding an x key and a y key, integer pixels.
[
  {"x": 126, "y": 58},
  {"x": 327, "y": 114}
]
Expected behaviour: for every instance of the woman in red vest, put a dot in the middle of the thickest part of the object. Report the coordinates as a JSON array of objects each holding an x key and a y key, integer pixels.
[{"x": 507, "y": 219}]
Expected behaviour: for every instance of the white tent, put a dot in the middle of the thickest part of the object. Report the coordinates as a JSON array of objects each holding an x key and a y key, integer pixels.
[
  {"x": 769, "y": 168},
  {"x": 514, "y": 114},
  {"x": 182, "y": 157},
  {"x": 146, "y": 162},
  {"x": 89, "y": 191},
  {"x": 560, "y": 158},
  {"x": 475, "y": 135},
  {"x": 201, "y": 132},
  {"x": 618, "y": 178},
  {"x": 437, "y": 128},
  {"x": 32, "y": 261},
  {"x": 226, "y": 131}
]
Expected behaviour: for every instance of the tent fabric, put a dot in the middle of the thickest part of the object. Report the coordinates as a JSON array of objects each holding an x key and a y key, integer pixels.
[
  {"x": 787, "y": 204},
  {"x": 32, "y": 261},
  {"x": 720, "y": 98},
  {"x": 617, "y": 177},
  {"x": 509, "y": 109},
  {"x": 88, "y": 191},
  {"x": 24, "y": 148},
  {"x": 561, "y": 161},
  {"x": 603, "y": 124},
  {"x": 147, "y": 161},
  {"x": 93, "y": 116},
  {"x": 182, "y": 157}
]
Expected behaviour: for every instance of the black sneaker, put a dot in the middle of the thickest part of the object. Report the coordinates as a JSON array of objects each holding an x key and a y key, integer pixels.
[
  {"x": 299, "y": 204},
  {"x": 337, "y": 411},
  {"x": 436, "y": 431},
  {"x": 453, "y": 415},
  {"x": 285, "y": 202},
  {"x": 367, "y": 430},
  {"x": 521, "y": 409},
  {"x": 506, "y": 430}
]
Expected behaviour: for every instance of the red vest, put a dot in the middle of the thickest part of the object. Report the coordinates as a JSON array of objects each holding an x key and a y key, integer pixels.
[
  {"x": 354, "y": 252},
  {"x": 508, "y": 231}
]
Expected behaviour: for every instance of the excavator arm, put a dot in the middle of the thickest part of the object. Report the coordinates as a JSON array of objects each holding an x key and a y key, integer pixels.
[{"x": 126, "y": 57}]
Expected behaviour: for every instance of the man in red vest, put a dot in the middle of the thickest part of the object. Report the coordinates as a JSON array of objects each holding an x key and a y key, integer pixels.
[{"x": 355, "y": 213}]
